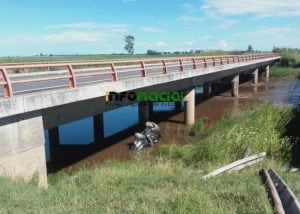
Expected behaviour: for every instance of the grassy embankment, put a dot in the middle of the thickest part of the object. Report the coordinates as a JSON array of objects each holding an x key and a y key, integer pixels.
[
  {"x": 290, "y": 67},
  {"x": 169, "y": 181}
]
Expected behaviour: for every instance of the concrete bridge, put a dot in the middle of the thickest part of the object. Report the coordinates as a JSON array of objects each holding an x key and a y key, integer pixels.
[{"x": 36, "y": 97}]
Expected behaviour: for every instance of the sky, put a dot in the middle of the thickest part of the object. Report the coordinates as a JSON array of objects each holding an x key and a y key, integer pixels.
[{"x": 30, "y": 27}]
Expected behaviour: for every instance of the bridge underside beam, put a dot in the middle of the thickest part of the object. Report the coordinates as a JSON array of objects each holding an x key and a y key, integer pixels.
[{"x": 22, "y": 144}]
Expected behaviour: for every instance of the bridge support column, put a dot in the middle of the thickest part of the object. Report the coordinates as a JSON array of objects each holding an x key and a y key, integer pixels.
[
  {"x": 98, "y": 128},
  {"x": 206, "y": 90},
  {"x": 178, "y": 106},
  {"x": 54, "y": 142},
  {"x": 267, "y": 72},
  {"x": 255, "y": 76},
  {"x": 189, "y": 107},
  {"x": 235, "y": 86},
  {"x": 214, "y": 88},
  {"x": 145, "y": 109},
  {"x": 22, "y": 144}
]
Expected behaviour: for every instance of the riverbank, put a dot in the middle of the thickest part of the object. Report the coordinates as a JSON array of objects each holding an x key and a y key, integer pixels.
[{"x": 169, "y": 181}]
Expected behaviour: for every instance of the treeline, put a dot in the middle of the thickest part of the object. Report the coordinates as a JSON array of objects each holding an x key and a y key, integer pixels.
[
  {"x": 154, "y": 52},
  {"x": 198, "y": 52}
]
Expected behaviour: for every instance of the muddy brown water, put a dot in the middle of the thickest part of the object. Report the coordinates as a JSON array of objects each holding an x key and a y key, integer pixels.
[{"x": 117, "y": 146}]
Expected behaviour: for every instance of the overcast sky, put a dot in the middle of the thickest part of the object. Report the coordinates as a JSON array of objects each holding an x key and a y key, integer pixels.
[{"x": 30, "y": 27}]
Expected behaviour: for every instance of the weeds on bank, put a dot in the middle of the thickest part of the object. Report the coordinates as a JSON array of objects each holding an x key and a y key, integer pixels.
[{"x": 259, "y": 128}]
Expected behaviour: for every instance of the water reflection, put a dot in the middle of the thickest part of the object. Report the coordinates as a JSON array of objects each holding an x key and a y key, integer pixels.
[
  {"x": 81, "y": 132},
  {"x": 294, "y": 93}
]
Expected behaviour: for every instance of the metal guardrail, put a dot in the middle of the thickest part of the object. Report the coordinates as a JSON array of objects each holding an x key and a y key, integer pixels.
[
  {"x": 283, "y": 199},
  {"x": 114, "y": 70}
]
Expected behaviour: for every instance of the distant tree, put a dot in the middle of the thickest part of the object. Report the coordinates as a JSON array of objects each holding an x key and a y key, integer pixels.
[
  {"x": 198, "y": 51},
  {"x": 153, "y": 52},
  {"x": 276, "y": 49},
  {"x": 129, "y": 44},
  {"x": 250, "y": 48}
]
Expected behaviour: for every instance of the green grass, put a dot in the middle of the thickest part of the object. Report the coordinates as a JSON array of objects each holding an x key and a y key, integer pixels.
[
  {"x": 259, "y": 128},
  {"x": 282, "y": 71},
  {"x": 138, "y": 186},
  {"x": 170, "y": 181}
]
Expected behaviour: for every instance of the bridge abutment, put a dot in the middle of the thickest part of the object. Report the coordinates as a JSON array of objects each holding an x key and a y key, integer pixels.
[
  {"x": 189, "y": 107},
  {"x": 22, "y": 145},
  {"x": 235, "y": 86}
]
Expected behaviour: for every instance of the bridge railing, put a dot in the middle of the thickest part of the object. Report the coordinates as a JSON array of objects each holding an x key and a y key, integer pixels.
[{"x": 16, "y": 79}]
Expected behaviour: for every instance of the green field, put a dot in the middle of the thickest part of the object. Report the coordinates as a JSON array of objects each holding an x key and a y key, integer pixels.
[
  {"x": 27, "y": 59},
  {"x": 169, "y": 181}
]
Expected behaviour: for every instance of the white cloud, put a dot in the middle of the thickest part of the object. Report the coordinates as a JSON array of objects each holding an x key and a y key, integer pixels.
[
  {"x": 188, "y": 43},
  {"x": 160, "y": 44},
  {"x": 152, "y": 30},
  {"x": 267, "y": 32},
  {"x": 91, "y": 26},
  {"x": 73, "y": 36},
  {"x": 205, "y": 37},
  {"x": 259, "y": 8},
  {"x": 128, "y": 1},
  {"x": 189, "y": 18},
  {"x": 223, "y": 45},
  {"x": 84, "y": 32},
  {"x": 189, "y": 8},
  {"x": 225, "y": 24},
  {"x": 265, "y": 37}
]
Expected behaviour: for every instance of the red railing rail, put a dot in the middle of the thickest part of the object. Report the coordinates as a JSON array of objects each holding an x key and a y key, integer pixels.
[{"x": 113, "y": 70}]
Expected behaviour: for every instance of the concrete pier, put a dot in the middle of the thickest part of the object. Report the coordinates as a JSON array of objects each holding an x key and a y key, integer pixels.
[
  {"x": 177, "y": 106},
  {"x": 54, "y": 142},
  {"x": 267, "y": 72},
  {"x": 144, "y": 112},
  {"x": 189, "y": 107},
  {"x": 206, "y": 89},
  {"x": 214, "y": 88},
  {"x": 235, "y": 86},
  {"x": 98, "y": 128},
  {"x": 255, "y": 76},
  {"x": 22, "y": 144}
]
